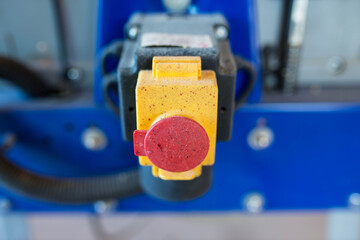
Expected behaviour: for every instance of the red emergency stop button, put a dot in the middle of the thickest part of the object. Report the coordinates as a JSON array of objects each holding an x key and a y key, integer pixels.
[{"x": 174, "y": 144}]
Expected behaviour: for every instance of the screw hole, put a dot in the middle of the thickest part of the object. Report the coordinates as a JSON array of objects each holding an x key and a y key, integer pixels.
[
  {"x": 131, "y": 109},
  {"x": 223, "y": 109}
]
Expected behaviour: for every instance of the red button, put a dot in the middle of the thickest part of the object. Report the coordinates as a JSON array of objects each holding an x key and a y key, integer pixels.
[{"x": 174, "y": 144}]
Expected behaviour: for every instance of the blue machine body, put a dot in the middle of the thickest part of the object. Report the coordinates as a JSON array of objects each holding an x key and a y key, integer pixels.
[{"x": 312, "y": 163}]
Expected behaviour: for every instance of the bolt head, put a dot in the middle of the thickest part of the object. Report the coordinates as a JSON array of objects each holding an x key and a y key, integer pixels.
[
  {"x": 133, "y": 32},
  {"x": 102, "y": 207},
  {"x": 354, "y": 200},
  {"x": 42, "y": 46},
  {"x": 5, "y": 206},
  {"x": 221, "y": 33},
  {"x": 74, "y": 74},
  {"x": 260, "y": 138},
  {"x": 177, "y": 6},
  {"x": 254, "y": 202},
  {"x": 336, "y": 65},
  {"x": 94, "y": 139}
]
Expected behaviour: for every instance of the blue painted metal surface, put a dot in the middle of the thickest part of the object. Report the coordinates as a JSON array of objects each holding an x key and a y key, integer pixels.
[
  {"x": 241, "y": 15},
  {"x": 312, "y": 163}
]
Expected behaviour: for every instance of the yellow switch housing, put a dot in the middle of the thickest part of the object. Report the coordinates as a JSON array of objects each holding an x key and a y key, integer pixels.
[{"x": 176, "y": 86}]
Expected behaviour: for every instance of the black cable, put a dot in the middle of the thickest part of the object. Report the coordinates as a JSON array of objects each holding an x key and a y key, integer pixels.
[
  {"x": 60, "y": 27},
  {"x": 109, "y": 84},
  {"x": 242, "y": 64},
  {"x": 23, "y": 77},
  {"x": 109, "y": 81},
  {"x": 112, "y": 50},
  {"x": 68, "y": 190},
  {"x": 54, "y": 189}
]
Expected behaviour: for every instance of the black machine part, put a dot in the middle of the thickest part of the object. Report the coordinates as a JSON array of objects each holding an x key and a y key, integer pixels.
[
  {"x": 171, "y": 190},
  {"x": 46, "y": 188},
  {"x": 287, "y": 53},
  {"x": 68, "y": 191},
  {"x": 65, "y": 190},
  {"x": 218, "y": 58},
  {"x": 21, "y": 76}
]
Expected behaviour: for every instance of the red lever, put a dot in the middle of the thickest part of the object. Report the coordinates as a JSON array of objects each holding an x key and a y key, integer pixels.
[{"x": 174, "y": 144}]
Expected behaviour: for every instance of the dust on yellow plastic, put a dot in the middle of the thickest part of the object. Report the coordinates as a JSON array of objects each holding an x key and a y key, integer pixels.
[{"x": 177, "y": 87}]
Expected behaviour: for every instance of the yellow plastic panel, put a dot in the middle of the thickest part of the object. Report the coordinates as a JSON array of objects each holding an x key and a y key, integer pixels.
[{"x": 187, "y": 92}]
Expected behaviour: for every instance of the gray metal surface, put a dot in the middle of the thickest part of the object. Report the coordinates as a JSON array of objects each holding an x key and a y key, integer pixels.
[
  {"x": 230, "y": 226},
  {"x": 331, "y": 31},
  {"x": 12, "y": 226},
  {"x": 28, "y": 33},
  {"x": 343, "y": 224}
]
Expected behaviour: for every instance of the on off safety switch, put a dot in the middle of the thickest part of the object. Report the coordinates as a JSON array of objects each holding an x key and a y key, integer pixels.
[{"x": 176, "y": 109}]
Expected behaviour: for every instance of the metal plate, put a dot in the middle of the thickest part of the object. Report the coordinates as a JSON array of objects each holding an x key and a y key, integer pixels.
[
  {"x": 311, "y": 163},
  {"x": 331, "y": 51}
]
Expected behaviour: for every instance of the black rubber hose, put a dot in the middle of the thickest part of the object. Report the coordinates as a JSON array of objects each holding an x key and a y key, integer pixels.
[
  {"x": 242, "y": 64},
  {"x": 59, "y": 190},
  {"x": 109, "y": 84},
  {"x": 21, "y": 76},
  {"x": 109, "y": 81},
  {"x": 68, "y": 191},
  {"x": 114, "y": 49}
]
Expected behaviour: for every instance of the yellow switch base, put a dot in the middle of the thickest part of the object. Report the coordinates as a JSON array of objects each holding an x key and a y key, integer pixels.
[{"x": 178, "y": 87}]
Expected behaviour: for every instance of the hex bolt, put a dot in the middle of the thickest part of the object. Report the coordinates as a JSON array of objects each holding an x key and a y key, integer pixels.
[
  {"x": 133, "y": 32},
  {"x": 5, "y": 205},
  {"x": 254, "y": 202},
  {"x": 74, "y": 74},
  {"x": 94, "y": 139},
  {"x": 103, "y": 207},
  {"x": 260, "y": 138},
  {"x": 354, "y": 200},
  {"x": 42, "y": 46},
  {"x": 221, "y": 33},
  {"x": 8, "y": 141},
  {"x": 336, "y": 65},
  {"x": 177, "y": 6}
]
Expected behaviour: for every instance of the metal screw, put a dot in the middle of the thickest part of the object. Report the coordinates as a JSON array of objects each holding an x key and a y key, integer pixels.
[
  {"x": 354, "y": 200},
  {"x": 94, "y": 139},
  {"x": 221, "y": 33},
  {"x": 260, "y": 138},
  {"x": 254, "y": 202},
  {"x": 133, "y": 32},
  {"x": 270, "y": 82},
  {"x": 336, "y": 65},
  {"x": 102, "y": 207},
  {"x": 8, "y": 141},
  {"x": 74, "y": 74},
  {"x": 176, "y": 6},
  {"x": 5, "y": 205},
  {"x": 42, "y": 46}
]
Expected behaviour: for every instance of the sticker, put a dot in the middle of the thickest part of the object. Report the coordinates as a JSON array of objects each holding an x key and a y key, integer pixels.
[{"x": 175, "y": 40}]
